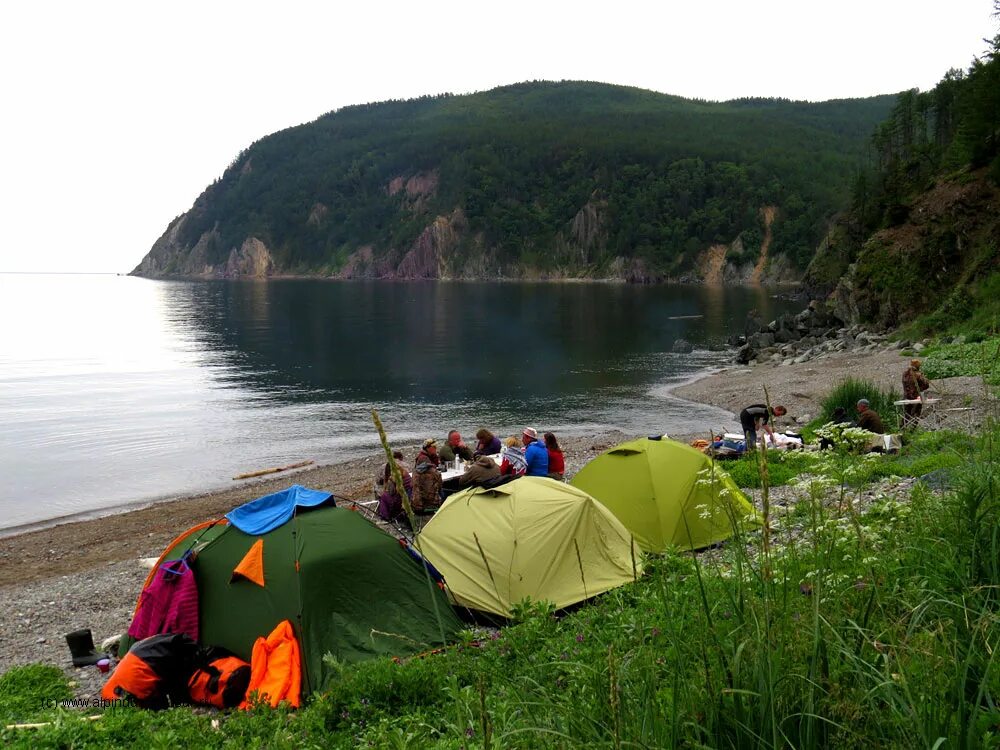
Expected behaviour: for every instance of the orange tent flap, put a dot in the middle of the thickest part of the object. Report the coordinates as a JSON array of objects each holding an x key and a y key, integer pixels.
[{"x": 251, "y": 566}]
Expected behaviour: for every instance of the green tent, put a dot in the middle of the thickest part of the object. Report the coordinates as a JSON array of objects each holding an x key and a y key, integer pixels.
[
  {"x": 532, "y": 538},
  {"x": 347, "y": 588},
  {"x": 667, "y": 494}
]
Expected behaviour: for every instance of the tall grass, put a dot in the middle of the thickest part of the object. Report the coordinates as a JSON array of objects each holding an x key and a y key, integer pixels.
[
  {"x": 875, "y": 626},
  {"x": 847, "y": 394}
]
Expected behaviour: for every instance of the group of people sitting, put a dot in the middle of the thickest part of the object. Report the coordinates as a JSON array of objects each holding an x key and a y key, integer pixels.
[{"x": 487, "y": 463}]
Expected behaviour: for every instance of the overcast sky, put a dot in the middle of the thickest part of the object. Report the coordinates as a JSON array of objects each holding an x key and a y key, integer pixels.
[{"x": 116, "y": 115}]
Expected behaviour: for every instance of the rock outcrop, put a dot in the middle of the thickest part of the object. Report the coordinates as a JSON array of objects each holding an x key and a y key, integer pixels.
[
  {"x": 944, "y": 241},
  {"x": 252, "y": 260},
  {"x": 426, "y": 259}
]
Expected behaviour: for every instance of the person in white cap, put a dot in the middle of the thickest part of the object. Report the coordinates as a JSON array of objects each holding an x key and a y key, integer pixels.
[{"x": 535, "y": 454}]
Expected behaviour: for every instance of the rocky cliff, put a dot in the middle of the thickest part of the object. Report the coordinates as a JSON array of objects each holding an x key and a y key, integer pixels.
[
  {"x": 944, "y": 243},
  {"x": 447, "y": 248}
]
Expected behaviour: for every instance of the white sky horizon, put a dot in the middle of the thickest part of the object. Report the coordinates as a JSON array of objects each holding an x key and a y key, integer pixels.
[{"x": 118, "y": 115}]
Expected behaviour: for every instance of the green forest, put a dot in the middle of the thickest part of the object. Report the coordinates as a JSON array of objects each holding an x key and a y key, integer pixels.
[
  {"x": 669, "y": 176},
  {"x": 920, "y": 237}
]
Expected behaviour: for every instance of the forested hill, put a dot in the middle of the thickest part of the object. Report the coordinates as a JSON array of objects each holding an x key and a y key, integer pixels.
[
  {"x": 919, "y": 241},
  {"x": 533, "y": 180}
]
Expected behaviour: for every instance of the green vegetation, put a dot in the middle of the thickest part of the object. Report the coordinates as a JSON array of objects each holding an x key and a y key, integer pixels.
[
  {"x": 782, "y": 469},
  {"x": 921, "y": 228},
  {"x": 847, "y": 624},
  {"x": 846, "y": 396},
  {"x": 924, "y": 452},
  {"x": 28, "y": 690},
  {"x": 666, "y": 177},
  {"x": 977, "y": 356},
  {"x": 970, "y": 309}
]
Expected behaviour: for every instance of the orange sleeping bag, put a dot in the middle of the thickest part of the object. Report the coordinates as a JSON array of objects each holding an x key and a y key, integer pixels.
[{"x": 276, "y": 668}]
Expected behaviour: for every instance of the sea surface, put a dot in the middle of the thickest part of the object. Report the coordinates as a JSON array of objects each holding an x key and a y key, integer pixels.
[{"x": 117, "y": 390}]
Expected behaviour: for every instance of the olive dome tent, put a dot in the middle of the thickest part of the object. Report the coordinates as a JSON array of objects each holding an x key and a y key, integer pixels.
[
  {"x": 347, "y": 588},
  {"x": 532, "y": 538},
  {"x": 667, "y": 493}
]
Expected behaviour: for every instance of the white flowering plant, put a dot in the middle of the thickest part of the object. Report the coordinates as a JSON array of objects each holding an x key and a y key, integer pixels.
[{"x": 845, "y": 436}]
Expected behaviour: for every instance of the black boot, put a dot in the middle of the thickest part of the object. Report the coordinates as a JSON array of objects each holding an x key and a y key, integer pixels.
[{"x": 81, "y": 646}]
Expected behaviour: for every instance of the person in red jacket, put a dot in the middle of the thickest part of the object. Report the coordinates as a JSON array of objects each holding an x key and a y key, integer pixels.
[{"x": 557, "y": 463}]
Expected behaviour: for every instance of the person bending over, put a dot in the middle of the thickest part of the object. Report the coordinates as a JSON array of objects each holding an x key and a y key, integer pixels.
[
  {"x": 480, "y": 471},
  {"x": 756, "y": 416}
]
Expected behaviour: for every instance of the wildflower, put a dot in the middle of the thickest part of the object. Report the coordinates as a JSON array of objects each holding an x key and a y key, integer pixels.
[
  {"x": 655, "y": 632},
  {"x": 470, "y": 732},
  {"x": 579, "y": 637}
]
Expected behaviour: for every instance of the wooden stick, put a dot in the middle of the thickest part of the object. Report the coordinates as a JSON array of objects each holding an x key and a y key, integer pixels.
[
  {"x": 45, "y": 723},
  {"x": 275, "y": 470}
]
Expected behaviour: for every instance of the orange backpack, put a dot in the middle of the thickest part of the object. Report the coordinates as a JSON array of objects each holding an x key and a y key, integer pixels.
[
  {"x": 221, "y": 682},
  {"x": 153, "y": 672}
]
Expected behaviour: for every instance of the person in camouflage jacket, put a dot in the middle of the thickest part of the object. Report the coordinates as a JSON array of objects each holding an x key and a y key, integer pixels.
[{"x": 914, "y": 384}]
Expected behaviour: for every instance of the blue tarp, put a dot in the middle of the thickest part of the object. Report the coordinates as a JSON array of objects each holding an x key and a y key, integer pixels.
[{"x": 268, "y": 513}]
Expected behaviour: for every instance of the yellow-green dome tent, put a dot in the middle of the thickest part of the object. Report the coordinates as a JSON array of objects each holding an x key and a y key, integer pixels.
[
  {"x": 667, "y": 493},
  {"x": 532, "y": 538}
]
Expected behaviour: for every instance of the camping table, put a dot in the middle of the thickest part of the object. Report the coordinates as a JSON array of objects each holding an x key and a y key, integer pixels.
[
  {"x": 452, "y": 472},
  {"x": 928, "y": 411}
]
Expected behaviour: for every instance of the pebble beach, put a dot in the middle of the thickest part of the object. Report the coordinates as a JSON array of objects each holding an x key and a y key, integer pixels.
[{"x": 87, "y": 574}]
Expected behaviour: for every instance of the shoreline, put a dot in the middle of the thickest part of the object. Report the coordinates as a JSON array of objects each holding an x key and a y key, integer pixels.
[
  {"x": 88, "y": 573},
  {"x": 727, "y": 386},
  {"x": 778, "y": 287},
  {"x": 235, "y": 488}
]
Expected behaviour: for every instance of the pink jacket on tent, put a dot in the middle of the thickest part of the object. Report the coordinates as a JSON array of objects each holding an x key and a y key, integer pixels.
[{"x": 169, "y": 604}]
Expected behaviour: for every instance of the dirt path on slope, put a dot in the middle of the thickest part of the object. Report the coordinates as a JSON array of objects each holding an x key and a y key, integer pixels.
[{"x": 769, "y": 213}]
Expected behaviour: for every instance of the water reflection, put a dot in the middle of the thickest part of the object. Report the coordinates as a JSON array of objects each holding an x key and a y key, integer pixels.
[
  {"x": 307, "y": 341},
  {"x": 118, "y": 390}
]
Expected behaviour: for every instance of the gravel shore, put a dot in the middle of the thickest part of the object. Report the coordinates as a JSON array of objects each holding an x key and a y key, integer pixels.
[{"x": 87, "y": 574}]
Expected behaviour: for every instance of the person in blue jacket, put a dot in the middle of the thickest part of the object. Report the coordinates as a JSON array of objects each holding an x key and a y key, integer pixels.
[{"x": 535, "y": 454}]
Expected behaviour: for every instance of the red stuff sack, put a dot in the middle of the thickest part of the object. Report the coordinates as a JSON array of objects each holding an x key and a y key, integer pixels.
[{"x": 222, "y": 682}]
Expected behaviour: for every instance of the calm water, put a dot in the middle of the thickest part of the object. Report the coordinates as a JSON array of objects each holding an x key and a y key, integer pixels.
[{"x": 116, "y": 390}]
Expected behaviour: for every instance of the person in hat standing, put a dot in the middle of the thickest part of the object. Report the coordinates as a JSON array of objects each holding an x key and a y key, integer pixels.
[
  {"x": 535, "y": 454},
  {"x": 426, "y": 478},
  {"x": 914, "y": 384}
]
